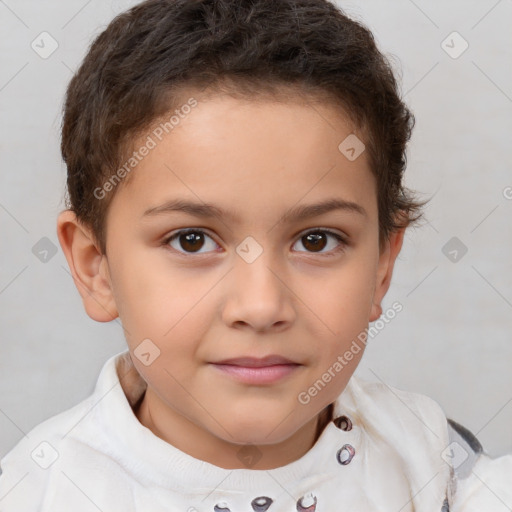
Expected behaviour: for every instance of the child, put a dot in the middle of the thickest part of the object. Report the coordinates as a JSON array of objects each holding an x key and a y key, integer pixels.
[{"x": 271, "y": 135}]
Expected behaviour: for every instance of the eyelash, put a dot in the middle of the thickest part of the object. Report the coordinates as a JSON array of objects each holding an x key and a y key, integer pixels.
[{"x": 332, "y": 252}]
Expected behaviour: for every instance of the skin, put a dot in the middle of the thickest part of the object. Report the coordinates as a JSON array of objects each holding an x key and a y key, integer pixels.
[{"x": 203, "y": 303}]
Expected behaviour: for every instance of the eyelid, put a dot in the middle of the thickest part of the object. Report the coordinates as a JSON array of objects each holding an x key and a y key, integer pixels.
[
  {"x": 342, "y": 238},
  {"x": 331, "y": 231},
  {"x": 183, "y": 231}
]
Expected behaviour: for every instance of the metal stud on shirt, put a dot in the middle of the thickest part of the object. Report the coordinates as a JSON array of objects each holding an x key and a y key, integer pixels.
[
  {"x": 261, "y": 504},
  {"x": 345, "y": 454},
  {"x": 343, "y": 423},
  {"x": 307, "y": 503}
]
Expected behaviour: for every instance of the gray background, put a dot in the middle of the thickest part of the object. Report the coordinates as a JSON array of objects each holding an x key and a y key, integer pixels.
[{"x": 452, "y": 340}]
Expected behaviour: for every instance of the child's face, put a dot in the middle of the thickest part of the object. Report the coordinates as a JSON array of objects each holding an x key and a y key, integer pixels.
[{"x": 214, "y": 296}]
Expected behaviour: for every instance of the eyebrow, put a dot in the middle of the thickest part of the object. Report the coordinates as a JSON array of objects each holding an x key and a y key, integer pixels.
[{"x": 301, "y": 212}]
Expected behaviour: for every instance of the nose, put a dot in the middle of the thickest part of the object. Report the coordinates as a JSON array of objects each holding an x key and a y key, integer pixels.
[{"x": 257, "y": 295}]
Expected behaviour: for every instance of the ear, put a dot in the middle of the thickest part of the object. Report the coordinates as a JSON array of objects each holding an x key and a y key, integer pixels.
[
  {"x": 385, "y": 266},
  {"x": 89, "y": 268}
]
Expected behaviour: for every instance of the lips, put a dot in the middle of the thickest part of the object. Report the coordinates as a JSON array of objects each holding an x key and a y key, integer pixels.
[
  {"x": 255, "y": 371},
  {"x": 254, "y": 362}
]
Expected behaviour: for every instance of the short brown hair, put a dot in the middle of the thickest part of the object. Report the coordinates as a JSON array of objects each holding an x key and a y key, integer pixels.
[{"x": 147, "y": 58}]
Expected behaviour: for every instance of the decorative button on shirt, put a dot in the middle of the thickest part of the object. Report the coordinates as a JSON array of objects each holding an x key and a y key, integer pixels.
[
  {"x": 343, "y": 423},
  {"x": 345, "y": 454}
]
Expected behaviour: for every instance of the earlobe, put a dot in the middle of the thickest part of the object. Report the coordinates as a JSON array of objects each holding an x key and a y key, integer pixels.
[
  {"x": 88, "y": 267},
  {"x": 386, "y": 263}
]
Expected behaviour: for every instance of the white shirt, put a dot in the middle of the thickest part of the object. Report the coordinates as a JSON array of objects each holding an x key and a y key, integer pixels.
[{"x": 388, "y": 450}]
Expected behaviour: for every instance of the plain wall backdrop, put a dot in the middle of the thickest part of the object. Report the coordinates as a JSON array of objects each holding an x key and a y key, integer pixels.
[{"x": 452, "y": 341}]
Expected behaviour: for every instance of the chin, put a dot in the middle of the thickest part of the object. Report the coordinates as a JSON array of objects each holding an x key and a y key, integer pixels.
[
  {"x": 256, "y": 440},
  {"x": 257, "y": 433}
]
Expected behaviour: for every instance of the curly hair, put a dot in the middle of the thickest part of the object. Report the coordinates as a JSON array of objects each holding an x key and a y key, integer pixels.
[{"x": 142, "y": 65}]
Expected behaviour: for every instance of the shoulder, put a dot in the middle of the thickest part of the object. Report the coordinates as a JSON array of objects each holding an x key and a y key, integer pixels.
[
  {"x": 30, "y": 464},
  {"x": 401, "y": 411},
  {"x": 409, "y": 427},
  {"x": 41, "y": 464},
  {"x": 427, "y": 439}
]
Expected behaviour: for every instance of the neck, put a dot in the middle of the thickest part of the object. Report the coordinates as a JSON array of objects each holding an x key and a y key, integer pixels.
[{"x": 203, "y": 445}]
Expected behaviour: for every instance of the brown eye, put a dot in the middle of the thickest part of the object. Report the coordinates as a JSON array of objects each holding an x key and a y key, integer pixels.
[
  {"x": 190, "y": 241},
  {"x": 314, "y": 241},
  {"x": 317, "y": 240}
]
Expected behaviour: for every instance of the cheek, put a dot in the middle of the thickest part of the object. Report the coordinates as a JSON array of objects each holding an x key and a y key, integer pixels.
[
  {"x": 341, "y": 306},
  {"x": 153, "y": 299},
  {"x": 172, "y": 340},
  {"x": 169, "y": 377},
  {"x": 341, "y": 299}
]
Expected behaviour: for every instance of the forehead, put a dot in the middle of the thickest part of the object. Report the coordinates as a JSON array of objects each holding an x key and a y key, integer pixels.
[{"x": 255, "y": 155}]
